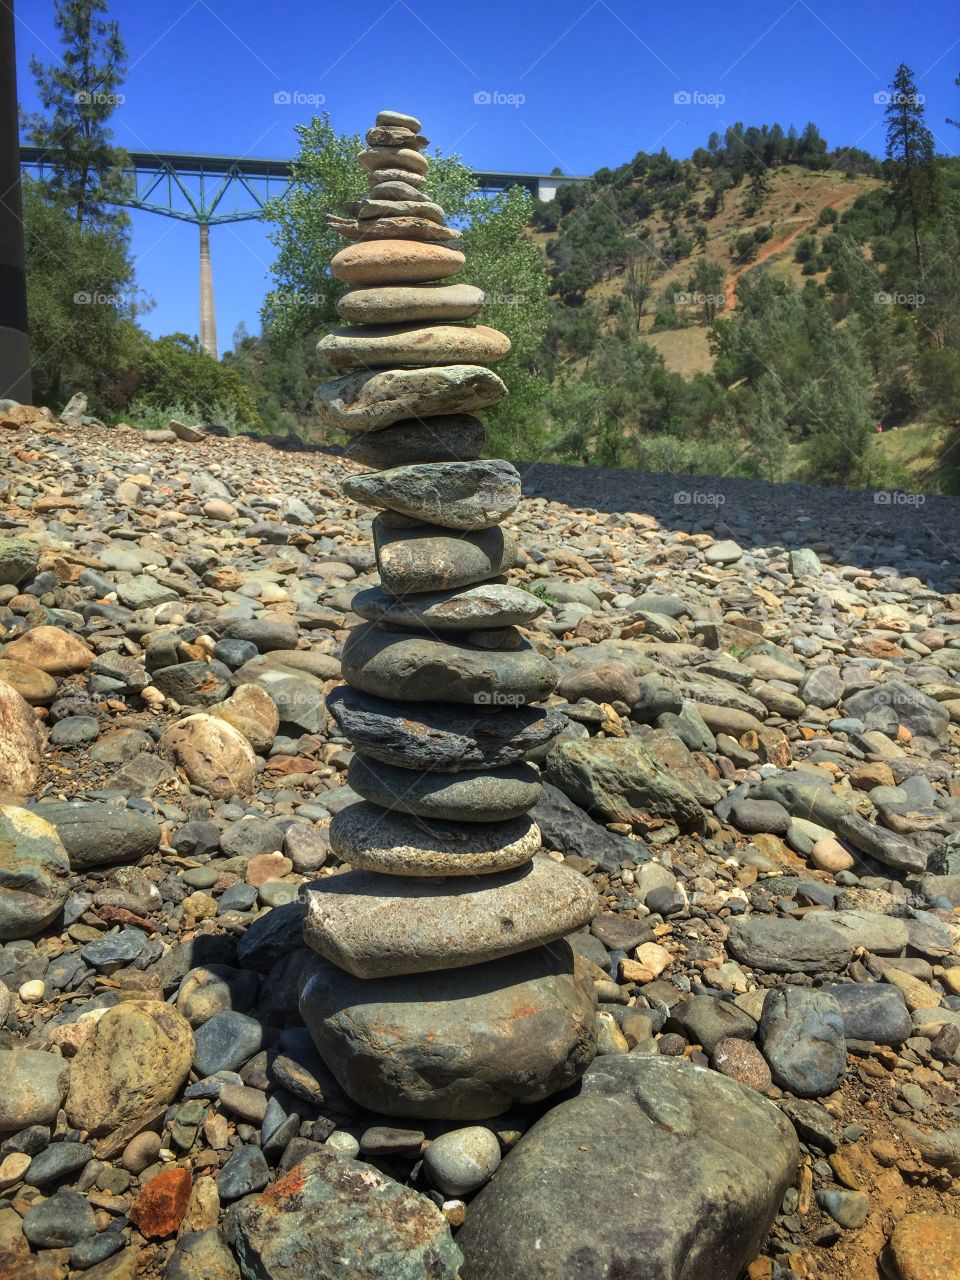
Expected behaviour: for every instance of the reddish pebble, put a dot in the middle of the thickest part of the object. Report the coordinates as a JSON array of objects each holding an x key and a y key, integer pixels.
[
  {"x": 267, "y": 866},
  {"x": 159, "y": 1208}
]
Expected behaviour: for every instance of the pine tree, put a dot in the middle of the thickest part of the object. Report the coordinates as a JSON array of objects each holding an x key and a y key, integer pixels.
[
  {"x": 79, "y": 95},
  {"x": 911, "y": 166}
]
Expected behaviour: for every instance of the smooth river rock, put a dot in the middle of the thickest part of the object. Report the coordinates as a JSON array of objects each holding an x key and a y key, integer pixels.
[
  {"x": 395, "y": 262},
  {"x": 373, "y": 925},
  {"x": 368, "y": 401},
  {"x": 802, "y": 1038},
  {"x": 785, "y": 945},
  {"x": 454, "y": 495},
  {"x": 425, "y": 559},
  {"x": 34, "y": 873},
  {"x": 373, "y": 346},
  {"x": 371, "y": 839},
  {"x": 440, "y": 737},
  {"x": 391, "y": 664},
  {"x": 474, "y": 795},
  {"x": 659, "y": 1170},
  {"x": 465, "y": 1044},
  {"x": 399, "y": 304}
]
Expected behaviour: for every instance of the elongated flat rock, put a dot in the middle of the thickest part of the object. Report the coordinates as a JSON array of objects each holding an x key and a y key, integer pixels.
[
  {"x": 393, "y": 261},
  {"x": 452, "y": 437},
  {"x": 371, "y": 839},
  {"x": 421, "y": 229},
  {"x": 398, "y": 189},
  {"x": 412, "y": 345},
  {"x": 474, "y": 795},
  {"x": 392, "y": 664},
  {"x": 399, "y": 304},
  {"x": 376, "y": 926},
  {"x": 368, "y": 401},
  {"x": 374, "y": 208},
  {"x": 453, "y": 495},
  {"x": 444, "y": 739},
  {"x": 491, "y": 604},
  {"x": 424, "y": 559}
]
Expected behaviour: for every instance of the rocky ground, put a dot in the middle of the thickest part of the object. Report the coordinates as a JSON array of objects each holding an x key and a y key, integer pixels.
[{"x": 759, "y": 776}]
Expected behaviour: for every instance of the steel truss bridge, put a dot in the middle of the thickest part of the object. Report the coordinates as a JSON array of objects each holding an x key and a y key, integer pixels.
[{"x": 208, "y": 190}]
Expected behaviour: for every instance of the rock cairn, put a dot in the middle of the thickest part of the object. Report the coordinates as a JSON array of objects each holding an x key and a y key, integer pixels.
[{"x": 445, "y": 988}]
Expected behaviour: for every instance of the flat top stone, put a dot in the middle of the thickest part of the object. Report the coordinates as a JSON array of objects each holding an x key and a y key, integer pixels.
[
  {"x": 453, "y": 495},
  {"x": 490, "y": 604},
  {"x": 374, "y": 926},
  {"x": 789, "y": 946}
]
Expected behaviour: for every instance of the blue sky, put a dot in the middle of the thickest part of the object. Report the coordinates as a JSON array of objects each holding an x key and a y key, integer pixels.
[{"x": 579, "y": 84}]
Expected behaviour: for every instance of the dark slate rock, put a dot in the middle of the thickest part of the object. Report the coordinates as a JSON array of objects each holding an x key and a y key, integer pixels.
[
  {"x": 59, "y": 1222},
  {"x": 114, "y": 950},
  {"x": 245, "y": 1172},
  {"x": 225, "y": 1042},
  {"x": 872, "y": 1011},
  {"x": 442, "y": 737},
  {"x": 569, "y": 830},
  {"x": 270, "y": 937},
  {"x": 802, "y": 1038},
  {"x": 59, "y": 1160}
]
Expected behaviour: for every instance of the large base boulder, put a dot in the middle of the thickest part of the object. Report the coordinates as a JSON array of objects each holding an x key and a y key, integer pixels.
[
  {"x": 465, "y": 1044},
  {"x": 659, "y": 1170}
]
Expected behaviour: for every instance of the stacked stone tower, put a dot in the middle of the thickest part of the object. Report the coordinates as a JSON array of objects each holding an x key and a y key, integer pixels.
[{"x": 445, "y": 988}]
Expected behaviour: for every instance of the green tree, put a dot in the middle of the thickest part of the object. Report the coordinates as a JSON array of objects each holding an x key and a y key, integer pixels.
[
  {"x": 708, "y": 283},
  {"x": 911, "y": 168},
  {"x": 80, "y": 304},
  {"x": 79, "y": 95},
  {"x": 175, "y": 370}
]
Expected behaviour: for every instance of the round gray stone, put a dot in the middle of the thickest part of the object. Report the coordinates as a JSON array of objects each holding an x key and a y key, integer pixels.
[
  {"x": 463, "y": 1044},
  {"x": 419, "y": 668},
  {"x": 452, "y": 437}
]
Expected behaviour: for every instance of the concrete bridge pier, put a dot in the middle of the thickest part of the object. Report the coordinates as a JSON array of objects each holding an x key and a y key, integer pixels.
[{"x": 208, "y": 316}]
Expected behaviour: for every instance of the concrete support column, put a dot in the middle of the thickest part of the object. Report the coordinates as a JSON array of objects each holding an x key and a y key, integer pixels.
[
  {"x": 15, "y": 380},
  {"x": 208, "y": 317}
]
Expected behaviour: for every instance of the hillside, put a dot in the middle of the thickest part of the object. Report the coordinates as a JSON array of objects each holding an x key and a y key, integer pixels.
[{"x": 791, "y": 209}]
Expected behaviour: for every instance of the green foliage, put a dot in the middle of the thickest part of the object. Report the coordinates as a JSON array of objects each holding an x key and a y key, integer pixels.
[
  {"x": 938, "y": 374},
  {"x": 80, "y": 303},
  {"x": 175, "y": 369},
  {"x": 79, "y": 94},
  {"x": 150, "y": 415},
  {"x": 708, "y": 286}
]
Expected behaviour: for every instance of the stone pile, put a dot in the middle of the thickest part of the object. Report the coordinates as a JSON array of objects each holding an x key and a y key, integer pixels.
[{"x": 447, "y": 877}]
